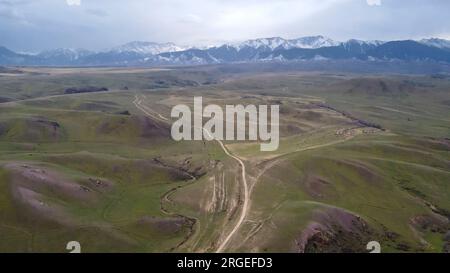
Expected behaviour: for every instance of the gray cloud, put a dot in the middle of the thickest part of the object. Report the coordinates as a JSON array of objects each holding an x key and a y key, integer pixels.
[
  {"x": 13, "y": 3},
  {"x": 96, "y": 24},
  {"x": 97, "y": 12}
]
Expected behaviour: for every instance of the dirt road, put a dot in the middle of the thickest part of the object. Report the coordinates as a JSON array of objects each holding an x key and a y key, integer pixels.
[{"x": 224, "y": 243}]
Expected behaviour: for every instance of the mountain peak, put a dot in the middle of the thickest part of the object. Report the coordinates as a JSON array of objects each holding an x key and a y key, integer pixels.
[
  {"x": 148, "y": 48},
  {"x": 268, "y": 43},
  {"x": 436, "y": 42},
  {"x": 313, "y": 42},
  {"x": 64, "y": 54},
  {"x": 273, "y": 43}
]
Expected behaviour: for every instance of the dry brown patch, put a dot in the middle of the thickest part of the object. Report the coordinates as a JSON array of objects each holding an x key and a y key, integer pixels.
[{"x": 334, "y": 230}]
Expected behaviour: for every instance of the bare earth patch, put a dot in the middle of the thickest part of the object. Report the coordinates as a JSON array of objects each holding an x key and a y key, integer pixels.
[{"x": 334, "y": 230}]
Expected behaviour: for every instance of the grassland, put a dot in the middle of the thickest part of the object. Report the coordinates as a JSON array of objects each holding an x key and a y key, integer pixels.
[{"x": 362, "y": 158}]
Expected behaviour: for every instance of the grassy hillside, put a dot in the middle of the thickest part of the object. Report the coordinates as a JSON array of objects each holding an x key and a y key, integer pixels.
[{"x": 361, "y": 158}]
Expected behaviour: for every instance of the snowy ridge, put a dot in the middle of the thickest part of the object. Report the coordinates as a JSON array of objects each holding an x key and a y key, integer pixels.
[
  {"x": 280, "y": 43},
  {"x": 439, "y": 43},
  {"x": 148, "y": 48},
  {"x": 64, "y": 53}
]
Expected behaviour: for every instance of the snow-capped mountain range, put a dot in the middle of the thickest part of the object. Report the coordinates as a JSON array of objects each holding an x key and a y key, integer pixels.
[{"x": 275, "y": 49}]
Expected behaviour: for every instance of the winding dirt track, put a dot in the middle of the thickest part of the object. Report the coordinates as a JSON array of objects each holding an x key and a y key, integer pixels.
[
  {"x": 137, "y": 102},
  {"x": 246, "y": 197}
]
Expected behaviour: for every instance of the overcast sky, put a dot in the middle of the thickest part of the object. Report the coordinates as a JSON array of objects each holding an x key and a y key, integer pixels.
[{"x": 32, "y": 25}]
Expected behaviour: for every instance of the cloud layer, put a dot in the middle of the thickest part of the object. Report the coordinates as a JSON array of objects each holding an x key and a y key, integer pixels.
[
  {"x": 374, "y": 2},
  {"x": 73, "y": 2},
  {"x": 95, "y": 24}
]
